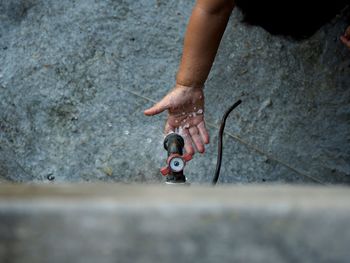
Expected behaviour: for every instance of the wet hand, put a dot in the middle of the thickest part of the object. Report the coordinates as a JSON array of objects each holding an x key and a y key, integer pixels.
[
  {"x": 185, "y": 107},
  {"x": 346, "y": 37}
]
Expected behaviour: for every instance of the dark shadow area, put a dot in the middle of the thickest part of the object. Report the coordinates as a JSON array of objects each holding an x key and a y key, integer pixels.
[{"x": 298, "y": 19}]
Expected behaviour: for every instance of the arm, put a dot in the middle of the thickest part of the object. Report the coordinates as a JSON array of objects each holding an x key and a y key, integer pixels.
[
  {"x": 204, "y": 32},
  {"x": 185, "y": 102}
]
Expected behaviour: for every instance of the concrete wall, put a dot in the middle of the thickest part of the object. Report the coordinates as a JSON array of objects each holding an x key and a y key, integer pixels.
[
  {"x": 159, "y": 224},
  {"x": 75, "y": 77}
]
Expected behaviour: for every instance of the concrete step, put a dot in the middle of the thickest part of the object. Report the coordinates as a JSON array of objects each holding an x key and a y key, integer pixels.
[{"x": 118, "y": 223}]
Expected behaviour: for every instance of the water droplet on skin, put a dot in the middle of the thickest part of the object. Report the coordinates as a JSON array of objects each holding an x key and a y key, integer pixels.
[
  {"x": 200, "y": 111},
  {"x": 126, "y": 132}
]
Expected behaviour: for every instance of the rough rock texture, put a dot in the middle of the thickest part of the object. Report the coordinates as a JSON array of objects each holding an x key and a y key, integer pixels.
[{"x": 75, "y": 76}]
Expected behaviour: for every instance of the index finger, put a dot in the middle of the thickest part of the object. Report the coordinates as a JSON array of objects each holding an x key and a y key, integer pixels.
[{"x": 168, "y": 128}]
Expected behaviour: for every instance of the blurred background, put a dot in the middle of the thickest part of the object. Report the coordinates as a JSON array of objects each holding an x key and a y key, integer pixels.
[{"x": 75, "y": 77}]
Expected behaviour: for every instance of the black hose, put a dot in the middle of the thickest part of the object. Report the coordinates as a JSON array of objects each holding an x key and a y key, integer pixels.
[{"x": 221, "y": 132}]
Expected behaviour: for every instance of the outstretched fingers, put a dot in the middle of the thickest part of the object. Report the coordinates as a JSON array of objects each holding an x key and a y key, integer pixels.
[
  {"x": 188, "y": 142},
  {"x": 168, "y": 128},
  {"x": 196, "y": 139},
  {"x": 203, "y": 132}
]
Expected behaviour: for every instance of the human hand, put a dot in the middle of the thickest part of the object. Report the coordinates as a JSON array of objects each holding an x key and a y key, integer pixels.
[
  {"x": 185, "y": 107},
  {"x": 346, "y": 37}
]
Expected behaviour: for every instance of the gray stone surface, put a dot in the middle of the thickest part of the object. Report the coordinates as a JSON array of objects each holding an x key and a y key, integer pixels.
[
  {"x": 89, "y": 223},
  {"x": 75, "y": 77}
]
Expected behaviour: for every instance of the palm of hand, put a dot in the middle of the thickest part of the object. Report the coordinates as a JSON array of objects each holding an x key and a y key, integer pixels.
[{"x": 185, "y": 107}]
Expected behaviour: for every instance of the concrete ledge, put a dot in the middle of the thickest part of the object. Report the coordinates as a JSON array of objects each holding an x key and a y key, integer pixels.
[{"x": 113, "y": 223}]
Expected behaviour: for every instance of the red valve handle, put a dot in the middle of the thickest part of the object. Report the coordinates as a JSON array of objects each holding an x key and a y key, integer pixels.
[{"x": 166, "y": 169}]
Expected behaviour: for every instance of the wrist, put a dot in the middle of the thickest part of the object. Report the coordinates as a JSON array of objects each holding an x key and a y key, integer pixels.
[
  {"x": 188, "y": 82},
  {"x": 182, "y": 86}
]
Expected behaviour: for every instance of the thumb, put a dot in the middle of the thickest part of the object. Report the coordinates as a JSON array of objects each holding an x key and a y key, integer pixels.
[{"x": 157, "y": 108}]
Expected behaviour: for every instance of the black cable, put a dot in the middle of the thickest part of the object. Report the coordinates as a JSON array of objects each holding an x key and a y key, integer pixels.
[{"x": 221, "y": 132}]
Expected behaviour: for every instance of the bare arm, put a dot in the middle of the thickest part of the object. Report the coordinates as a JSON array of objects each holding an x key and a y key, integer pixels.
[
  {"x": 204, "y": 32},
  {"x": 185, "y": 102}
]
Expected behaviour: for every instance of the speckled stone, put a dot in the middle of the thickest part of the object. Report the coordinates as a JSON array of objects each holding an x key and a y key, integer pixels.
[{"x": 75, "y": 77}]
